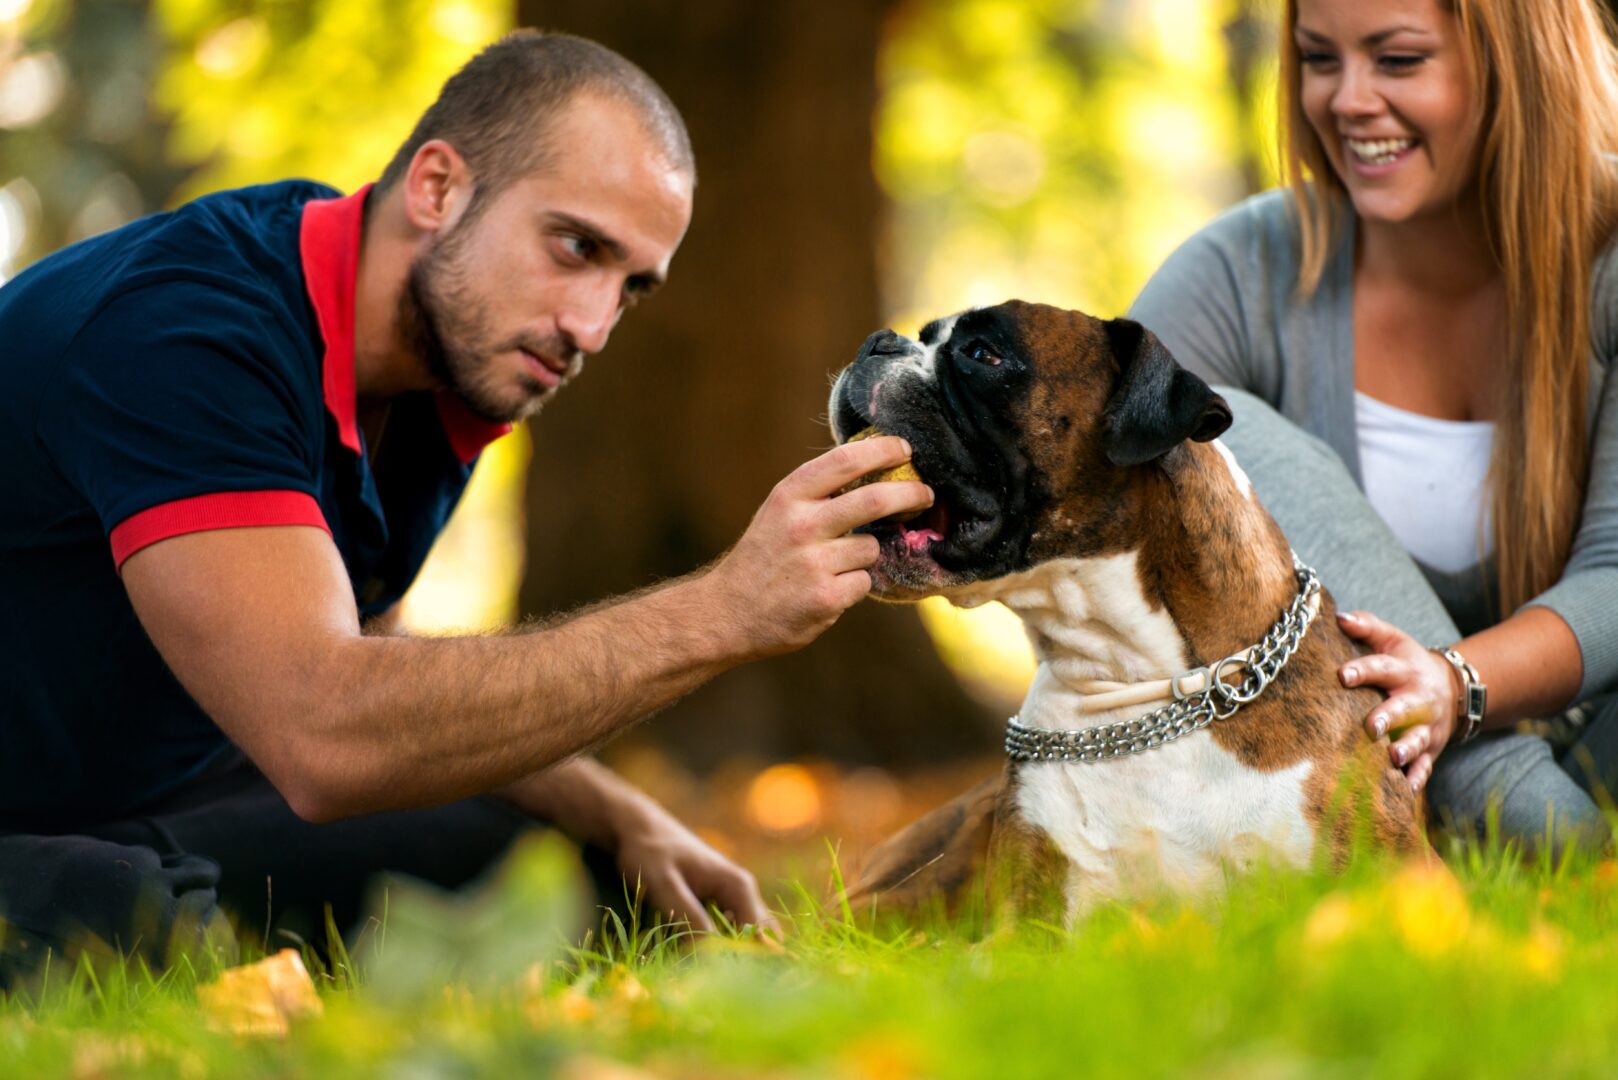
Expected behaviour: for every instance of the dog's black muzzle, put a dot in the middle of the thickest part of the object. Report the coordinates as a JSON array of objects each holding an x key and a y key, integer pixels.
[{"x": 896, "y": 385}]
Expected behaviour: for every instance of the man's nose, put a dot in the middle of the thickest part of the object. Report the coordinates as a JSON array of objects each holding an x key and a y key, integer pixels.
[{"x": 589, "y": 319}]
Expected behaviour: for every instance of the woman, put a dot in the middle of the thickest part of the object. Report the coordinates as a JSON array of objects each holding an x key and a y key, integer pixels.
[{"x": 1434, "y": 301}]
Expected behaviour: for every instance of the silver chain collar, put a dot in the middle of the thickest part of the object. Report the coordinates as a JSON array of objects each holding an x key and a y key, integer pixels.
[{"x": 1183, "y": 715}]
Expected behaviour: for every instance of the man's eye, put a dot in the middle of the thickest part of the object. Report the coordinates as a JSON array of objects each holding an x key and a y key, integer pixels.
[
  {"x": 580, "y": 247},
  {"x": 981, "y": 354}
]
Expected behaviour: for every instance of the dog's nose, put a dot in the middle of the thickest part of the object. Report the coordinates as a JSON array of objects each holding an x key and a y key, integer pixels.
[{"x": 885, "y": 343}]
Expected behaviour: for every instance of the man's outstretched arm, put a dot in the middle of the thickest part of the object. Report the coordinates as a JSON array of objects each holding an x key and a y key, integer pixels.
[
  {"x": 260, "y": 626},
  {"x": 676, "y": 870}
]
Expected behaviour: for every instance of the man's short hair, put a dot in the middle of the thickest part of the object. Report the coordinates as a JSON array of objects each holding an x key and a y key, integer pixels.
[{"x": 497, "y": 110}]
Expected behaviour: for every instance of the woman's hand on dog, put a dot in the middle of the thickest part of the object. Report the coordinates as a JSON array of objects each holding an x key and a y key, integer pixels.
[
  {"x": 1420, "y": 707},
  {"x": 797, "y": 568}
]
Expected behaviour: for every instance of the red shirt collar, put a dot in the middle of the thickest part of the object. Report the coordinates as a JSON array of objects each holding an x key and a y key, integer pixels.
[{"x": 329, "y": 245}]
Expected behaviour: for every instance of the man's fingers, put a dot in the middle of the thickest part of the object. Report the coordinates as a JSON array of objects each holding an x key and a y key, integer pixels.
[
  {"x": 737, "y": 892},
  {"x": 852, "y": 553},
  {"x": 855, "y": 585},
  {"x": 842, "y": 465},
  {"x": 677, "y": 899},
  {"x": 873, "y": 502}
]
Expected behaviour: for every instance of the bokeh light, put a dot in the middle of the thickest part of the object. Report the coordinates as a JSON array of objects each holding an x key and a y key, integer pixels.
[
  {"x": 784, "y": 799},
  {"x": 30, "y": 88}
]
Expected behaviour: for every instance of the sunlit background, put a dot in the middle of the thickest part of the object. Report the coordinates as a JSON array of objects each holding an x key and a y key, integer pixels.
[{"x": 1050, "y": 149}]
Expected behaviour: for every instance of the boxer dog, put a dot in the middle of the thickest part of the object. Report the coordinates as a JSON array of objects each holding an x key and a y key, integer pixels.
[{"x": 1186, "y": 715}]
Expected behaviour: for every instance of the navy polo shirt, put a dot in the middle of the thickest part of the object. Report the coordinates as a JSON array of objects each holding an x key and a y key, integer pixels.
[{"x": 193, "y": 370}]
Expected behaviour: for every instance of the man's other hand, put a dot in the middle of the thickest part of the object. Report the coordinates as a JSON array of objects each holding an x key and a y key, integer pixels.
[
  {"x": 796, "y": 568},
  {"x": 680, "y": 874}
]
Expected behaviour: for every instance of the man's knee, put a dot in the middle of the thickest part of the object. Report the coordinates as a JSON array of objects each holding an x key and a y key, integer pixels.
[{"x": 62, "y": 896}]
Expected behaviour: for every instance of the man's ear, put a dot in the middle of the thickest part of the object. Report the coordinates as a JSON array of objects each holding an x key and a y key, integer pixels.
[
  {"x": 1158, "y": 404},
  {"x": 438, "y": 186}
]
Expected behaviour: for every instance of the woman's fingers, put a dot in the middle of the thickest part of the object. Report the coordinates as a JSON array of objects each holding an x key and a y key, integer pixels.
[
  {"x": 1420, "y": 771},
  {"x": 1377, "y": 669},
  {"x": 1379, "y": 635},
  {"x": 1411, "y": 745}
]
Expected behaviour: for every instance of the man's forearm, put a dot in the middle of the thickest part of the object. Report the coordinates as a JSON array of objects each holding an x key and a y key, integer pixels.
[
  {"x": 344, "y": 723},
  {"x": 581, "y": 797},
  {"x": 418, "y": 721}
]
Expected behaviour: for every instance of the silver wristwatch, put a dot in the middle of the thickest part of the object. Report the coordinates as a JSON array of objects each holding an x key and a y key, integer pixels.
[{"x": 1474, "y": 695}]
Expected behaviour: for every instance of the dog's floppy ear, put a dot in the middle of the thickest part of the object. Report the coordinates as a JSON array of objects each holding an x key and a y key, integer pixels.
[{"x": 1158, "y": 404}]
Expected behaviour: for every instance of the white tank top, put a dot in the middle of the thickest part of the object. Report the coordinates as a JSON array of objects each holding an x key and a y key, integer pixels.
[{"x": 1425, "y": 477}]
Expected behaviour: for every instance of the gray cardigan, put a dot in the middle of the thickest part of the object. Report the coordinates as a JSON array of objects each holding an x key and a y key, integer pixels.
[{"x": 1224, "y": 305}]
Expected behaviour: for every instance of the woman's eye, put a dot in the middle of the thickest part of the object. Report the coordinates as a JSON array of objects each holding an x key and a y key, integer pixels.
[
  {"x": 982, "y": 354},
  {"x": 1402, "y": 61},
  {"x": 1315, "y": 59}
]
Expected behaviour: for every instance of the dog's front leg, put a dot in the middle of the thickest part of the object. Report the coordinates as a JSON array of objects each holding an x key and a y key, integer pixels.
[{"x": 1028, "y": 875}]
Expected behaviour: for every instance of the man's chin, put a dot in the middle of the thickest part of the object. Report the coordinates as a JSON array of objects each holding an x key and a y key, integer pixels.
[{"x": 509, "y": 407}]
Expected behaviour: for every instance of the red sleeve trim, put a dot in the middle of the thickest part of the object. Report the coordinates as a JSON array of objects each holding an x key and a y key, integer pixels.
[{"x": 219, "y": 510}]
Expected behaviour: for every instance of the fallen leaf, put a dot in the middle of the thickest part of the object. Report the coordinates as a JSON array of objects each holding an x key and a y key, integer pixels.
[{"x": 262, "y": 998}]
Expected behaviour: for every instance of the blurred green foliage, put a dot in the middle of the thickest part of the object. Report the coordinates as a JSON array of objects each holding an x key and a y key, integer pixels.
[
  {"x": 80, "y": 149},
  {"x": 110, "y": 109},
  {"x": 1057, "y": 150},
  {"x": 262, "y": 90}
]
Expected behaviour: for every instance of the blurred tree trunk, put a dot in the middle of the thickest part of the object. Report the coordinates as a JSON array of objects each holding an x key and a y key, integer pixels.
[
  {"x": 655, "y": 462},
  {"x": 1250, "y": 46}
]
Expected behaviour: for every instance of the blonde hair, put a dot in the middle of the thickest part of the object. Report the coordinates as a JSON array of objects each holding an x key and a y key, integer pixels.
[{"x": 1545, "y": 73}]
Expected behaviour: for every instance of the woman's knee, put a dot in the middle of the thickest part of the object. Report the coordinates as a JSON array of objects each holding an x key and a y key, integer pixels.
[{"x": 1511, "y": 784}]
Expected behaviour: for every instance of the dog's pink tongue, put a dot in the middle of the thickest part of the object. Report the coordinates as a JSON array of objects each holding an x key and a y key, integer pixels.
[{"x": 916, "y": 539}]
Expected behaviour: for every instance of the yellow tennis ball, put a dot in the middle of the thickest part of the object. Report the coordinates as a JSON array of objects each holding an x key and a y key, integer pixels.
[{"x": 904, "y": 471}]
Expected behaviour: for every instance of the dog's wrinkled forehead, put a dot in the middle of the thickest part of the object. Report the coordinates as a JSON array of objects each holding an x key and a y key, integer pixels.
[{"x": 1017, "y": 359}]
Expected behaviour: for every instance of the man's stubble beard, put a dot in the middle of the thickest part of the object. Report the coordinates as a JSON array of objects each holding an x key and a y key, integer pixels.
[{"x": 443, "y": 321}]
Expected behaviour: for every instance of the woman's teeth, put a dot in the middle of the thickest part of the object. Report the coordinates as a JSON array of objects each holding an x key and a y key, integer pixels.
[{"x": 1379, "y": 151}]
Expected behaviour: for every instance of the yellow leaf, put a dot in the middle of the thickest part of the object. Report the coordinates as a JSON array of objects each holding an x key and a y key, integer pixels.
[{"x": 262, "y": 998}]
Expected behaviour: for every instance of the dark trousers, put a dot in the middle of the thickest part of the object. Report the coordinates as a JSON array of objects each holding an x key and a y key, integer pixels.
[{"x": 162, "y": 883}]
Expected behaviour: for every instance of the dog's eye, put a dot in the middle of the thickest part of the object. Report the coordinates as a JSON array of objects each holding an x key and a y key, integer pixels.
[{"x": 980, "y": 353}]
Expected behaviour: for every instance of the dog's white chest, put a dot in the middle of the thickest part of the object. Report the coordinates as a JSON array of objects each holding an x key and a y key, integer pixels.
[{"x": 1169, "y": 818}]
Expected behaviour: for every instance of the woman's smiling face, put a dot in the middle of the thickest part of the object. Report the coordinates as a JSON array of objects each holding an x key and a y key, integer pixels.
[{"x": 1386, "y": 87}]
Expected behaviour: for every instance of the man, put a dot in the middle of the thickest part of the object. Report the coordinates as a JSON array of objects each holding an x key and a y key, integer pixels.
[{"x": 265, "y": 405}]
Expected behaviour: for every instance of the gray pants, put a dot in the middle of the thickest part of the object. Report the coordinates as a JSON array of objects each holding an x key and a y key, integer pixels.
[{"x": 1539, "y": 791}]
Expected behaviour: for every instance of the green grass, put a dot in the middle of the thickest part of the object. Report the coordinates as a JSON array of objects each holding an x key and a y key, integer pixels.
[{"x": 1381, "y": 971}]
